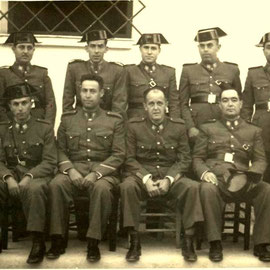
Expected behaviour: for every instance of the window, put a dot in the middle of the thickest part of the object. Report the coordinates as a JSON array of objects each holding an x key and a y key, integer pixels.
[{"x": 71, "y": 18}]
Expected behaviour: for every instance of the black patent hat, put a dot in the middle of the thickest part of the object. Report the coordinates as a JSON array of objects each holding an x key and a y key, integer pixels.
[
  {"x": 209, "y": 34},
  {"x": 264, "y": 39},
  {"x": 153, "y": 38},
  {"x": 19, "y": 91},
  {"x": 95, "y": 35},
  {"x": 21, "y": 37}
]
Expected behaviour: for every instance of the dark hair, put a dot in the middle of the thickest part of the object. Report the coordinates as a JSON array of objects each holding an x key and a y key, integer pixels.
[
  {"x": 92, "y": 77},
  {"x": 231, "y": 88},
  {"x": 147, "y": 91}
]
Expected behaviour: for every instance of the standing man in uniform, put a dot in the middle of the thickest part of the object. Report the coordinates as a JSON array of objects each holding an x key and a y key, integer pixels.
[
  {"x": 113, "y": 75},
  {"x": 149, "y": 74},
  {"x": 28, "y": 159},
  {"x": 257, "y": 92},
  {"x": 23, "y": 47},
  {"x": 91, "y": 147},
  {"x": 158, "y": 157},
  {"x": 199, "y": 83},
  {"x": 229, "y": 159}
]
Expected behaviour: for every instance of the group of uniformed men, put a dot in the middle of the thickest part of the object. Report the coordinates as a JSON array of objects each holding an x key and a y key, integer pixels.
[{"x": 133, "y": 118}]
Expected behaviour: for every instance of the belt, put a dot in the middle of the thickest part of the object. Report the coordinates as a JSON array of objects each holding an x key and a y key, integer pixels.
[
  {"x": 236, "y": 158},
  {"x": 201, "y": 99},
  {"x": 263, "y": 106},
  {"x": 136, "y": 105}
]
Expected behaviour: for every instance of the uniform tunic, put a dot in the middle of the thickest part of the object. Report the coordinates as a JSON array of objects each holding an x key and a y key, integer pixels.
[
  {"x": 37, "y": 155},
  {"x": 88, "y": 143},
  {"x": 160, "y": 152},
  {"x": 138, "y": 80},
  {"x": 198, "y": 81},
  {"x": 257, "y": 92},
  {"x": 114, "y": 76},
  {"x": 45, "y": 106},
  {"x": 214, "y": 141}
]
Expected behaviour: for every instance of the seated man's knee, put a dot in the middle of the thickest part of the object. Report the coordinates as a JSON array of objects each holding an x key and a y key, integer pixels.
[
  {"x": 208, "y": 189},
  {"x": 128, "y": 185}
]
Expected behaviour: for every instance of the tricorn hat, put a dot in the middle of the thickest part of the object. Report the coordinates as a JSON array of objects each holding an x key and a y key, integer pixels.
[
  {"x": 21, "y": 37},
  {"x": 19, "y": 91},
  {"x": 264, "y": 39},
  {"x": 155, "y": 38},
  {"x": 209, "y": 34},
  {"x": 95, "y": 35}
]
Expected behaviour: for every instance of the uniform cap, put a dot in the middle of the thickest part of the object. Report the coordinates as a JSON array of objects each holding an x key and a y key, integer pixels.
[
  {"x": 19, "y": 91},
  {"x": 21, "y": 37},
  {"x": 209, "y": 34},
  {"x": 152, "y": 39},
  {"x": 264, "y": 39},
  {"x": 95, "y": 35}
]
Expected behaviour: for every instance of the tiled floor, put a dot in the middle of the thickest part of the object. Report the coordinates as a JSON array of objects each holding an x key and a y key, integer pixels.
[{"x": 155, "y": 254}]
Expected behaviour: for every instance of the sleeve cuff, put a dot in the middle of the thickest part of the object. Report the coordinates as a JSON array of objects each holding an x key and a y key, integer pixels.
[
  {"x": 146, "y": 178},
  {"x": 30, "y": 175},
  {"x": 64, "y": 166},
  {"x": 4, "y": 178},
  {"x": 203, "y": 174},
  {"x": 170, "y": 178}
]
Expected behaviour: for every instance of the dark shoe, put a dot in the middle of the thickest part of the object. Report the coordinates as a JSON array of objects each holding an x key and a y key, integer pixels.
[
  {"x": 188, "y": 250},
  {"x": 134, "y": 251},
  {"x": 37, "y": 252},
  {"x": 93, "y": 253},
  {"x": 262, "y": 252},
  {"x": 215, "y": 252},
  {"x": 57, "y": 248}
]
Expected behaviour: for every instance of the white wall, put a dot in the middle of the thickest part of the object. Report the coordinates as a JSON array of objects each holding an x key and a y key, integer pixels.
[{"x": 245, "y": 21}]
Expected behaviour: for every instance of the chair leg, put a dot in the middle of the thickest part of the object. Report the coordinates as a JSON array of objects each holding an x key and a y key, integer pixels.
[
  {"x": 66, "y": 235},
  {"x": 4, "y": 227},
  {"x": 247, "y": 226},
  {"x": 178, "y": 224},
  {"x": 113, "y": 224},
  {"x": 236, "y": 222}
]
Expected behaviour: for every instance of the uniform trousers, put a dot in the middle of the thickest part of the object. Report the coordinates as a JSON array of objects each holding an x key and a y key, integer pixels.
[
  {"x": 183, "y": 194},
  {"x": 34, "y": 198},
  {"x": 213, "y": 203},
  {"x": 61, "y": 194}
]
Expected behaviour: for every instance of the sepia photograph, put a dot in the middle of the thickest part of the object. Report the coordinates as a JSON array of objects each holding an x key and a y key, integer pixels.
[{"x": 134, "y": 134}]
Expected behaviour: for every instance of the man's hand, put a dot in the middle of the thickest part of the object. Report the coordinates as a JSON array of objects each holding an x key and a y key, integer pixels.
[
  {"x": 193, "y": 132},
  {"x": 89, "y": 179},
  {"x": 75, "y": 177},
  {"x": 163, "y": 185},
  {"x": 210, "y": 178},
  {"x": 25, "y": 181},
  {"x": 152, "y": 189},
  {"x": 13, "y": 187}
]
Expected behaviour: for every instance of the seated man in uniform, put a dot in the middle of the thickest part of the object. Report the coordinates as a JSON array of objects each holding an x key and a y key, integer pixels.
[
  {"x": 23, "y": 47},
  {"x": 158, "y": 156},
  {"x": 229, "y": 159},
  {"x": 91, "y": 147},
  {"x": 28, "y": 159}
]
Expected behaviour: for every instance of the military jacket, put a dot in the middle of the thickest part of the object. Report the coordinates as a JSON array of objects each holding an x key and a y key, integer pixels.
[
  {"x": 45, "y": 106},
  {"x": 91, "y": 142},
  {"x": 138, "y": 80},
  {"x": 114, "y": 76},
  {"x": 32, "y": 147},
  {"x": 161, "y": 151},
  {"x": 257, "y": 92},
  {"x": 197, "y": 81},
  {"x": 243, "y": 142}
]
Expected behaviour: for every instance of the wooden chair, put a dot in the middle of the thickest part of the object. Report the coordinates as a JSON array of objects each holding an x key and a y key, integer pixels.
[
  {"x": 159, "y": 218},
  {"x": 80, "y": 210},
  {"x": 232, "y": 219}
]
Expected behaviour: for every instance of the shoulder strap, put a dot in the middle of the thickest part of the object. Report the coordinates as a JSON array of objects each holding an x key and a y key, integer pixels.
[{"x": 151, "y": 81}]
